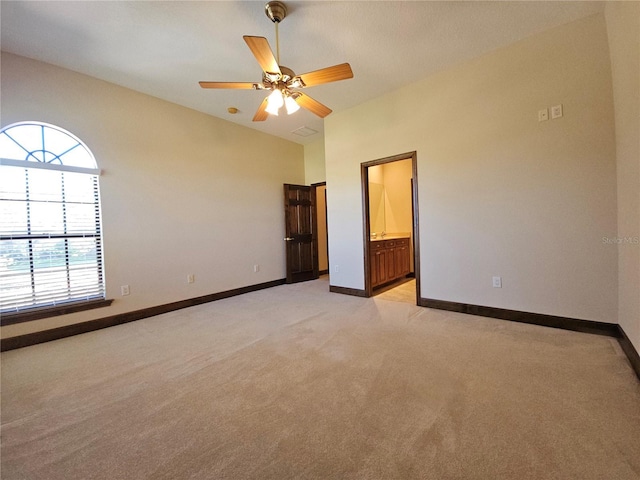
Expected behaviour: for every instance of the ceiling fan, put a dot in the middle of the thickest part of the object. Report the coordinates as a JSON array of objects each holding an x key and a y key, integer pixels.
[{"x": 282, "y": 81}]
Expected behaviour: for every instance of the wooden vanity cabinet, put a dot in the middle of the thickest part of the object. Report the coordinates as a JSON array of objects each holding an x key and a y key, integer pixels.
[{"x": 389, "y": 260}]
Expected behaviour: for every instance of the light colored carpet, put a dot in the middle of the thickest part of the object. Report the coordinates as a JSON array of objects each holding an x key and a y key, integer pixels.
[
  {"x": 297, "y": 383},
  {"x": 405, "y": 292}
]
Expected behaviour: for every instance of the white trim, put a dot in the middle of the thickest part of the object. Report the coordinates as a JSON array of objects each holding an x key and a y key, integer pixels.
[{"x": 49, "y": 166}]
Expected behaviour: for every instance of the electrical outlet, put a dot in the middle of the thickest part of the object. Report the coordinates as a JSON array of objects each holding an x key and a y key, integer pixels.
[
  {"x": 497, "y": 282},
  {"x": 191, "y": 278},
  {"x": 336, "y": 268},
  {"x": 256, "y": 268},
  {"x": 124, "y": 290}
]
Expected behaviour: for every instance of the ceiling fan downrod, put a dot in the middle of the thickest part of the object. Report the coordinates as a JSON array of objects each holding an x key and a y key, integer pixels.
[{"x": 276, "y": 11}]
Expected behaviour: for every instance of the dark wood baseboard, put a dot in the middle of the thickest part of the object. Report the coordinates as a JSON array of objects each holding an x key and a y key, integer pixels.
[
  {"x": 323, "y": 272},
  {"x": 347, "y": 291},
  {"x": 630, "y": 351},
  {"x": 20, "y": 341},
  {"x": 565, "y": 323}
]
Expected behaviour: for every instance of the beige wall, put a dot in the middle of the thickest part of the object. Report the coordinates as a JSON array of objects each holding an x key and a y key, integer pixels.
[
  {"x": 623, "y": 27},
  {"x": 398, "y": 213},
  {"x": 499, "y": 192},
  {"x": 397, "y": 183},
  {"x": 314, "y": 162},
  {"x": 182, "y": 192},
  {"x": 394, "y": 213},
  {"x": 377, "y": 200},
  {"x": 314, "y": 173},
  {"x": 376, "y": 174}
]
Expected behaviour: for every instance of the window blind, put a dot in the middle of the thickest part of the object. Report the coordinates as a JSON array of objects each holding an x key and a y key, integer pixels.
[{"x": 50, "y": 238}]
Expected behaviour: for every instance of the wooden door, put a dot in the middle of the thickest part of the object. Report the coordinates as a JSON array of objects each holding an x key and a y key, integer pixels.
[{"x": 300, "y": 233}]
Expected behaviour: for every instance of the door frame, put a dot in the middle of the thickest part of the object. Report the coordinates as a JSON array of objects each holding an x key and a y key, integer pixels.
[{"x": 364, "y": 175}]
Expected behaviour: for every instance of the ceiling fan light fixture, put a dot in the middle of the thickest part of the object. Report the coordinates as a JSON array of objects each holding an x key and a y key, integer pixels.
[
  {"x": 272, "y": 110},
  {"x": 291, "y": 105},
  {"x": 274, "y": 102},
  {"x": 275, "y": 98}
]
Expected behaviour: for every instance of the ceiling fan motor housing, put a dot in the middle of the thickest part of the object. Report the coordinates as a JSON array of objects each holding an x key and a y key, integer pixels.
[
  {"x": 276, "y": 11},
  {"x": 287, "y": 80}
]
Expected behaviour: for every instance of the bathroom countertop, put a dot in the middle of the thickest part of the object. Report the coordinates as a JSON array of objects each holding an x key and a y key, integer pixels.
[{"x": 391, "y": 236}]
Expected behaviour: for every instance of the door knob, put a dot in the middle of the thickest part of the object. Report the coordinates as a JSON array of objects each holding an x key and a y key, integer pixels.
[{"x": 288, "y": 239}]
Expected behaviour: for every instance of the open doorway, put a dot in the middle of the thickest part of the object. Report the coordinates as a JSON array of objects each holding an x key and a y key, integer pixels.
[{"x": 390, "y": 219}]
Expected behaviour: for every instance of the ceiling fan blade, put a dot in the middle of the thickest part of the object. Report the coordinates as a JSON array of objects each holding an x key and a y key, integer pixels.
[
  {"x": 305, "y": 101},
  {"x": 262, "y": 51},
  {"x": 262, "y": 114},
  {"x": 239, "y": 85},
  {"x": 326, "y": 75}
]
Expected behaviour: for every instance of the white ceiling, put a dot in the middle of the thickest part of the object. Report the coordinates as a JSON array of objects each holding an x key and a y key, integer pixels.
[{"x": 164, "y": 48}]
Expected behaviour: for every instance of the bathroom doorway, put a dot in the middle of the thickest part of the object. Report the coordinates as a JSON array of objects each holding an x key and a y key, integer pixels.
[{"x": 390, "y": 220}]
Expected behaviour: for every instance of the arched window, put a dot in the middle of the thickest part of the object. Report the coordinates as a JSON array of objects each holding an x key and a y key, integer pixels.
[{"x": 50, "y": 227}]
